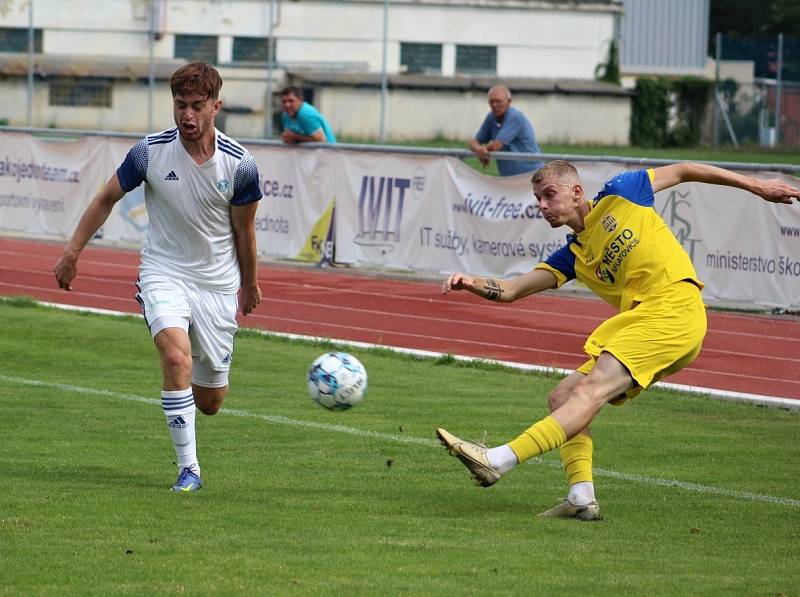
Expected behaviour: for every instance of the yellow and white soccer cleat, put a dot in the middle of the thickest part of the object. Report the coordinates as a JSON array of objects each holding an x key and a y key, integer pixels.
[
  {"x": 567, "y": 509},
  {"x": 473, "y": 456}
]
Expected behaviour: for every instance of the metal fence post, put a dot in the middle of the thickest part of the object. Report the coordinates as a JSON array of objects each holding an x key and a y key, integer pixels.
[
  {"x": 384, "y": 82},
  {"x": 30, "y": 62},
  {"x": 779, "y": 90},
  {"x": 270, "y": 65},
  {"x": 151, "y": 66},
  {"x": 716, "y": 89}
]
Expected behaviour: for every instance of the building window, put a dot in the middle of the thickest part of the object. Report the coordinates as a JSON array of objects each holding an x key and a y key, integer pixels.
[
  {"x": 421, "y": 58},
  {"x": 252, "y": 49},
  {"x": 476, "y": 60},
  {"x": 93, "y": 93},
  {"x": 196, "y": 47},
  {"x": 15, "y": 39}
]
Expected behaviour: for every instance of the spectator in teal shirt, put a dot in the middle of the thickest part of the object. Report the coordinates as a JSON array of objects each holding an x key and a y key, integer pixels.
[{"x": 301, "y": 121}]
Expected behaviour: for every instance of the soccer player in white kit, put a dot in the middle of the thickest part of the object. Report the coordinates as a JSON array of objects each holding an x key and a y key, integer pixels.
[{"x": 201, "y": 194}]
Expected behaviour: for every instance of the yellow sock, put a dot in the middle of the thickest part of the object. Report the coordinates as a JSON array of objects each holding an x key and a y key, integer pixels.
[
  {"x": 539, "y": 438},
  {"x": 576, "y": 456}
]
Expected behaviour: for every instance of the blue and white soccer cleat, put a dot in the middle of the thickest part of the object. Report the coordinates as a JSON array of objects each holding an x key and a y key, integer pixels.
[{"x": 187, "y": 481}]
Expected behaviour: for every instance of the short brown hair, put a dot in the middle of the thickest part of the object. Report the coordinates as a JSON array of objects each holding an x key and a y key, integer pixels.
[
  {"x": 292, "y": 90},
  {"x": 196, "y": 77},
  {"x": 556, "y": 169}
]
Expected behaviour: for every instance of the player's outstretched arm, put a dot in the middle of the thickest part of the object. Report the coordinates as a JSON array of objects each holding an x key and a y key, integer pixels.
[
  {"x": 772, "y": 190},
  {"x": 504, "y": 291},
  {"x": 95, "y": 215}
]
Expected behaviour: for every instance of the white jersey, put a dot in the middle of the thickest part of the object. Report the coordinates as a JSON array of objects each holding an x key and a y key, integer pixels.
[{"x": 189, "y": 233}]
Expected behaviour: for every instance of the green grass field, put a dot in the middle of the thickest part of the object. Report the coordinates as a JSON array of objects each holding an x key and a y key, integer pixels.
[{"x": 700, "y": 497}]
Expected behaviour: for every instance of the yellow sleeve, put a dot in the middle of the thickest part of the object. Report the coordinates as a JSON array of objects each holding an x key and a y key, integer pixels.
[{"x": 561, "y": 279}]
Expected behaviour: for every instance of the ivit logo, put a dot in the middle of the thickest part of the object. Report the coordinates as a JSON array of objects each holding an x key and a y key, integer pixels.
[{"x": 380, "y": 210}]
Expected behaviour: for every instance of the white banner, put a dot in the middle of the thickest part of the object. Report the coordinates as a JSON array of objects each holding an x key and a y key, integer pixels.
[
  {"x": 294, "y": 215},
  {"x": 421, "y": 213},
  {"x": 743, "y": 248},
  {"x": 44, "y": 184},
  {"x": 437, "y": 214}
]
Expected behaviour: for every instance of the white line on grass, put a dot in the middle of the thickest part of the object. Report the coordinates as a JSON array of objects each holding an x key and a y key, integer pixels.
[
  {"x": 695, "y": 487},
  {"x": 762, "y": 400},
  {"x": 228, "y": 411}
]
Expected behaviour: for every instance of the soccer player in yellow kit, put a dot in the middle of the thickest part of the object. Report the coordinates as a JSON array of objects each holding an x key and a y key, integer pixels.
[{"x": 623, "y": 251}]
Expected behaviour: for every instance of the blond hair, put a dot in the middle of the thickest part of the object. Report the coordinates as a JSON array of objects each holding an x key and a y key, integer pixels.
[{"x": 557, "y": 169}]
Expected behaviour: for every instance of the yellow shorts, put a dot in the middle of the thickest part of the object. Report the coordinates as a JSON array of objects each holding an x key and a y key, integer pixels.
[{"x": 661, "y": 335}]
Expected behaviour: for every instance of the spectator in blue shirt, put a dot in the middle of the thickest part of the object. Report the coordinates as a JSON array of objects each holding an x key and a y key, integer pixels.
[
  {"x": 301, "y": 121},
  {"x": 505, "y": 129}
]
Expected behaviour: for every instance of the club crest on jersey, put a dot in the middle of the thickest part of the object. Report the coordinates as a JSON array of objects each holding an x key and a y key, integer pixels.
[
  {"x": 223, "y": 185},
  {"x": 609, "y": 223},
  {"x": 604, "y": 275}
]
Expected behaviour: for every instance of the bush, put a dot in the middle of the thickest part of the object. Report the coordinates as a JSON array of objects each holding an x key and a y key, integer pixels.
[
  {"x": 609, "y": 71},
  {"x": 691, "y": 100},
  {"x": 650, "y": 108},
  {"x": 652, "y": 102}
]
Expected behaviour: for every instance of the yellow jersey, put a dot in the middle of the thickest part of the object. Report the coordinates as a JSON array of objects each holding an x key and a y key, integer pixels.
[{"x": 625, "y": 252}]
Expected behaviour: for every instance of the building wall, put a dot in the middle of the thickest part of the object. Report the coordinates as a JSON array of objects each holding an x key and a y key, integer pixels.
[
  {"x": 242, "y": 92},
  {"x": 533, "y": 38},
  {"x": 353, "y": 112},
  {"x": 664, "y": 37},
  {"x": 424, "y": 114}
]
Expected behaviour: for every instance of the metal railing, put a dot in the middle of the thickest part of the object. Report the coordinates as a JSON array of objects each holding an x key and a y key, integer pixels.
[{"x": 792, "y": 169}]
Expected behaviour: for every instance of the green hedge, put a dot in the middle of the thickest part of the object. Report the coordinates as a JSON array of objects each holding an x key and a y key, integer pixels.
[{"x": 652, "y": 102}]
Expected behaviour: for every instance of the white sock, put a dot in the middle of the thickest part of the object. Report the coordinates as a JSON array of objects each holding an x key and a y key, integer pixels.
[
  {"x": 502, "y": 458},
  {"x": 581, "y": 493},
  {"x": 179, "y": 409}
]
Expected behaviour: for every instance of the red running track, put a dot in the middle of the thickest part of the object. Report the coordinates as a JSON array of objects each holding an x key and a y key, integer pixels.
[{"x": 754, "y": 354}]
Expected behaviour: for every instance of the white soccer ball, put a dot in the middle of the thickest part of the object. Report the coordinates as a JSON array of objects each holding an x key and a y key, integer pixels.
[{"x": 337, "y": 381}]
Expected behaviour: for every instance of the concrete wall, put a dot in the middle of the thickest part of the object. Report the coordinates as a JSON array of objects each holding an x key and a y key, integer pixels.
[
  {"x": 425, "y": 114},
  {"x": 353, "y": 112}
]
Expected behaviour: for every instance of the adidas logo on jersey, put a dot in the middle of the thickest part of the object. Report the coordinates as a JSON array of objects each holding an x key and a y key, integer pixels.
[{"x": 171, "y": 176}]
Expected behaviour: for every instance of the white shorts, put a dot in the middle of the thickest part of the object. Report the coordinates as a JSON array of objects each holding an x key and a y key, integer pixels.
[{"x": 209, "y": 317}]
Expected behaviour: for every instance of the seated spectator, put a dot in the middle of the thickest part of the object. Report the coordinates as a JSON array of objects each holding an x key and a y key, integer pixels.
[{"x": 301, "y": 121}]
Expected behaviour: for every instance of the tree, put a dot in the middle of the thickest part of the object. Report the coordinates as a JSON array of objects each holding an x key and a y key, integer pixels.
[
  {"x": 744, "y": 18},
  {"x": 750, "y": 33}
]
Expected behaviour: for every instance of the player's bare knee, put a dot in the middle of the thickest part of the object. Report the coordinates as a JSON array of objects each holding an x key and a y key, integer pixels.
[
  {"x": 209, "y": 408},
  {"x": 557, "y": 397},
  {"x": 588, "y": 393},
  {"x": 176, "y": 361},
  {"x": 209, "y": 400},
  {"x": 209, "y": 405}
]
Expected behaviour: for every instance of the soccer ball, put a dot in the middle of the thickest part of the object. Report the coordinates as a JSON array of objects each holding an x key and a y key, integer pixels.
[{"x": 337, "y": 381}]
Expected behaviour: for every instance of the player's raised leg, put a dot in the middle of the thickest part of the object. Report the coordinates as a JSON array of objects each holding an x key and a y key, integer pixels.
[{"x": 574, "y": 403}]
